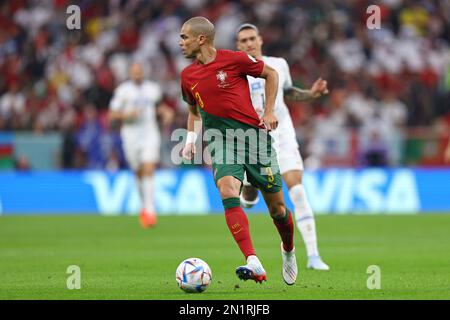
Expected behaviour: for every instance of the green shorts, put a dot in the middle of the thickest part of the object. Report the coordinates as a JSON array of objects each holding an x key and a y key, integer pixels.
[
  {"x": 236, "y": 155},
  {"x": 260, "y": 176}
]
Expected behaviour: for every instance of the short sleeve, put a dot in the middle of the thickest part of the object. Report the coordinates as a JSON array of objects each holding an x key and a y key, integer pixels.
[
  {"x": 158, "y": 94},
  {"x": 186, "y": 93},
  {"x": 249, "y": 65},
  {"x": 288, "y": 80},
  {"x": 117, "y": 99}
]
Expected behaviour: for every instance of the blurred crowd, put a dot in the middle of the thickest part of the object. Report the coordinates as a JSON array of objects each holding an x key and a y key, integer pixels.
[{"x": 388, "y": 85}]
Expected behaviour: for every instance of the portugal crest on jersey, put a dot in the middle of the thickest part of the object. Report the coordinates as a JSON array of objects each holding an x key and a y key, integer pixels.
[{"x": 222, "y": 77}]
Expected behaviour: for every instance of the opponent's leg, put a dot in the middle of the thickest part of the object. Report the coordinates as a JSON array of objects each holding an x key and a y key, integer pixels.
[
  {"x": 249, "y": 194},
  {"x": 146, "y": 181},
  {"x": 305, "y": 219},
  {"x": 238, "y": 225}
]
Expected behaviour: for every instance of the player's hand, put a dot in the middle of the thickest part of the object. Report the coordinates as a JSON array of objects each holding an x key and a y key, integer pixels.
[
  {"x": 188, "y": 151},
  {"x": 319, "y": 88},
  {"x": 269, "y": 120},
  {"x": 132, "y": 114}
]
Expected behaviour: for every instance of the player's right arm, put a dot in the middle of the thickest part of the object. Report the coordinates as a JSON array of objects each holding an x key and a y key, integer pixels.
[
  {"x": 193, "y": 119},
  {"x": 125, "y": 116},
  {"x": 192, "y": 128},
  {"x": 117, "y": 106}
]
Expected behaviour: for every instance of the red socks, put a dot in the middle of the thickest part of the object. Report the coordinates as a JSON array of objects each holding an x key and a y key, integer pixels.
[
  {"x": 238, "y": 224},
  {"x": 285, "y": 228}
]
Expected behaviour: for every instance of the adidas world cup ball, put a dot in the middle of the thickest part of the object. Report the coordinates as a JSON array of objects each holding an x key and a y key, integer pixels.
[{"x": 193, "y": 275}]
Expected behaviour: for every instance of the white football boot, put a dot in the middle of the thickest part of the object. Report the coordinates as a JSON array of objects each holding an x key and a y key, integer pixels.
[
  {"x": 248, "y": 203},
  {"x": 252, "y": 270},
  {"x": 316, "y": 263},
  {"x": 290, "y": 269}
]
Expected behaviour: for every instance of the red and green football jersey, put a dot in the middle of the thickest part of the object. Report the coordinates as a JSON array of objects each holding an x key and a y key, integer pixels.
[{"x": 220, "y": 88}]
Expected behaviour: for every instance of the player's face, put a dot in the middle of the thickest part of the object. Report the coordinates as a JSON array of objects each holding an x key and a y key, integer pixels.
[
  {"x": 136, "y": 72},
  {"x": 249, "y": 41},
  {"x": 188, "y": 42}
]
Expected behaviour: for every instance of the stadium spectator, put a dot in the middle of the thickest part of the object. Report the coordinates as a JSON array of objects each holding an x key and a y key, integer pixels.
[
  {"x": 88, "y": 138},
  {"x": 50, "y": 70}
]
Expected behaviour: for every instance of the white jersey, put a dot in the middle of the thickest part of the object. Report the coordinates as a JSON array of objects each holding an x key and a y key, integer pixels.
[
  {"x": 141, "y": 137},
  {"x": 144, "y": 96},
  {"x": 285, "y": 140},
  {"x": 257, "y": 85}
]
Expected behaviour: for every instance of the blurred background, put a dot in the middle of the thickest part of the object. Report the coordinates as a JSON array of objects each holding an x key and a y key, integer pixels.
[{"x": 389, "y": 104}]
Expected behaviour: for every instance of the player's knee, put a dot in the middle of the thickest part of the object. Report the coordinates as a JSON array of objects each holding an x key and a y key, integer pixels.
[
  {"x": 148, "y": 172},
  {"x": 227, "y": 190},
  {"x": 147, "y": 169},
  {"x": 228, "y": 187},
  {"x": 277, "y": 209}
]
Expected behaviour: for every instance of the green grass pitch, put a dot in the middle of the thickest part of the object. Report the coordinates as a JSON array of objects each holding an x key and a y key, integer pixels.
[{"x": 119, "y": 260}]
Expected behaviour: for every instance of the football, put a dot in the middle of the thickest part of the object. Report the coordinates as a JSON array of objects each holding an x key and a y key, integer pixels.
[{"x": 193, "y": 275}]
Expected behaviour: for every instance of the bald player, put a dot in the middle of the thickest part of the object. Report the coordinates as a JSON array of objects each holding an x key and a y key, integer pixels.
[
  {"x": 249, "y": 40},
  {"x": 136, "y": 103},
  {"x": 215, "y": 87}
]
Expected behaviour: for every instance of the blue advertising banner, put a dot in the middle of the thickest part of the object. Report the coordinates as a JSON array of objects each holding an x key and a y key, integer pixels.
[{"x": 335, "y": 191}]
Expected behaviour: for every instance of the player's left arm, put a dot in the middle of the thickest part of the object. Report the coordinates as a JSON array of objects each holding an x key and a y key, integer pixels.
[
  {"x": 271, "y": 76},
  {"x": 193, "y": 129},
  {"x": 318, "y": 89},
  {"x": 291, "y": 92},
  {"x": 117, "y": 108}
]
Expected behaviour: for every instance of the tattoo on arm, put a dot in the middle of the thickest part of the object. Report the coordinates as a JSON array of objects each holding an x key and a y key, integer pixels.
[{"x": 297, "y": 94}]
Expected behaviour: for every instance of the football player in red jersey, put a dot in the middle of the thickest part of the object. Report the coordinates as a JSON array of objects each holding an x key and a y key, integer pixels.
[{"x": 216, "y": 89}]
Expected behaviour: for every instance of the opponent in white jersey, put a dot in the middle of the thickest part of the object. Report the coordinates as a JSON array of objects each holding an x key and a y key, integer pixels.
[
  {"x": 136, "y": 103},
  {"x": 285, "y": 141}
]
